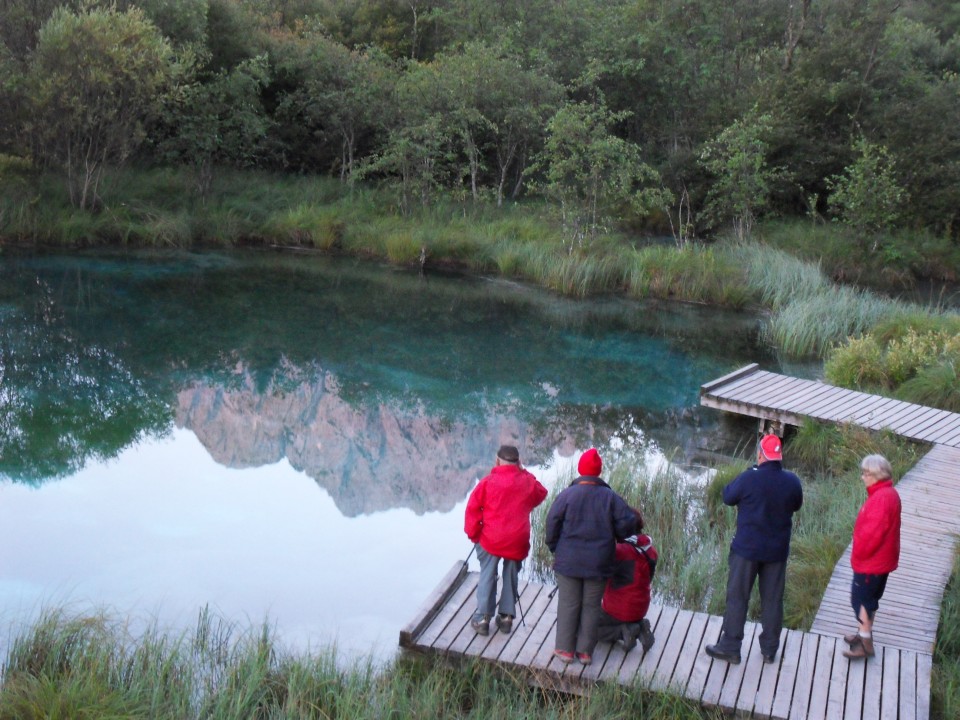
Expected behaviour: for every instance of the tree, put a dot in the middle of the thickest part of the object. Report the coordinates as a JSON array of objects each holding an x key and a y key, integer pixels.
[
  {"x": 591, "y": 173},
  {"x": 96, "y": 78},
  {"x": 219, "y": 121},
  {"x": 737, "y": 158},
  {"x": 867, "y": 196}
]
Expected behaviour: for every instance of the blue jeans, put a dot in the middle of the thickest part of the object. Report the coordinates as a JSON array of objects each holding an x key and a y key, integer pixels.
[{"x": 487, "y": 585}]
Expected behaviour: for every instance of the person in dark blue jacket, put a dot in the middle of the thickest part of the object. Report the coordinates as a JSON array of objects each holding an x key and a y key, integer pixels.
[
  {"x": 766, "y": 497},
  {"x": 582, "y": 529}
]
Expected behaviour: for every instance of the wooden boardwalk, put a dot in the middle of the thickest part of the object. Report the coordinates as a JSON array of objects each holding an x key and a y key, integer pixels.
[
  {"x": 788, "y": 400},
  {"x": 810, "y": 678}
]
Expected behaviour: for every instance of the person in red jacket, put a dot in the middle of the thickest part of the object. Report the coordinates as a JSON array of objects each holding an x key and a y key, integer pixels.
[
  {"x": 626, "y": 598},
  {"x": 497, "y": 520},
  {"x": 876, "y": 550}
]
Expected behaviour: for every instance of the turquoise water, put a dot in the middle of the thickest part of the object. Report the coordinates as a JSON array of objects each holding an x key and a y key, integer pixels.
[{"x": 289, "y": 436}]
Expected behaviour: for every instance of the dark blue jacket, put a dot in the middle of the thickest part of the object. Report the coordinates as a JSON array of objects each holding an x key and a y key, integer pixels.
[
  {"x": 766, "y": 497},
  {"x": 583, "y": 526}
]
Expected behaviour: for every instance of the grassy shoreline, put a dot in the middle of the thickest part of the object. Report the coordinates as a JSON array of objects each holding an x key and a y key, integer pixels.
[{"x": 809, "y": 313}]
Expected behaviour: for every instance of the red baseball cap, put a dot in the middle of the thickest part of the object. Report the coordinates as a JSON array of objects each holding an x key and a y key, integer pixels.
[{"x": 771, "y": 448}]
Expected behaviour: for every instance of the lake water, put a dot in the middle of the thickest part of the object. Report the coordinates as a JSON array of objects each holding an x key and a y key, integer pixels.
[{"x": 292, "y": 438}]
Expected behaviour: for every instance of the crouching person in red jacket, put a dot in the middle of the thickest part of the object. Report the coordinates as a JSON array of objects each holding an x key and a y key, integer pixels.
[
  {"x": 876, "y": 550},
  {"x": 626, "y": 598},
  {"x": 497, "y": 519}
]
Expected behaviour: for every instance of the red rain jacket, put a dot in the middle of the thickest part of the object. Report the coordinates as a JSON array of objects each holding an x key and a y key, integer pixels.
[
  {"x": 627, "y": 596},
  {"x": 876, "y": 533},
  {"x": 498, "y": 511}
]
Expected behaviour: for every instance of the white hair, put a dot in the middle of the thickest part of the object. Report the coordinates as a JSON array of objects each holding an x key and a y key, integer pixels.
[{"x": 877, "y": 466}]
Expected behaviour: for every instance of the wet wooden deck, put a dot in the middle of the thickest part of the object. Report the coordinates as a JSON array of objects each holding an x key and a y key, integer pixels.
[{"x": 810, "y": 679}]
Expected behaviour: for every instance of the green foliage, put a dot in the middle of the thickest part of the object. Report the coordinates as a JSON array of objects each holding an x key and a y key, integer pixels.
[
  {"x": 945, "y": 683},
  {"x": 94, "y": 83},
  {"x": 589, "y": 172},
  {"x": 737, "y": 158},
  {"x": 867, "y": 196}
]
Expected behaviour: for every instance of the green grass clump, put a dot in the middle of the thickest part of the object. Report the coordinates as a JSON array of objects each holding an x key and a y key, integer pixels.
[{"x": 945, "y": 684}]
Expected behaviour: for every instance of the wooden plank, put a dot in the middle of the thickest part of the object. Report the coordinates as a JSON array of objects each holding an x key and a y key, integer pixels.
[
  {"x": 539, "y": 639},
  {"x": 692, "y": 648},
  {"x": 521, "y": 635},
  {"x": 673, "y": 646},
  {"x": 786, "y": 677},
  {"x": 752, "y": 674},
  {"x": 823, "y": 401},
  {"x": 651, "y": 660},
  {"x": 813, "y": 393},
  {"x": 700, "y": 672},
  {"x": 806, "y": 673},
  {"x": 766, "y": 393},
  {"x": 838, "y": 682},
  {"x": 890, "y": 695},
  {"x": 730, "y": 377},
  {"x": 908, "y": 686},
  {"x": 846, "y": 407},
  {"x": 757, "y": 385},
  {"x": 951, "y": 427},
  {"x": 499, "y": 640},
  {"x": 873, "y": 672},
  {"x": 856, "y": 676},
  {"x": 907, "y": 414},
  {"x": 921, "y": 425},
  {"x": 822, "y": 670},
  {"x": 434, "y": 602},
  {"x": 730, "y": 691},
  {"x": 439, "y": 634},
  {"x": 924, "y": 674},
  {"x": 631, "y": 663}
]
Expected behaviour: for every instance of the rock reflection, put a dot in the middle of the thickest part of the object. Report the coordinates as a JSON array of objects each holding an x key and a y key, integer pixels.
[{"x": 369, "y": 457}]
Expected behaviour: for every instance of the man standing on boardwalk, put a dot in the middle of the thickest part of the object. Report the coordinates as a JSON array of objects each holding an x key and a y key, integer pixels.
[
  {"x": 497, "y": 519},
  {"x": 766, "y": 497},
  {"x": 876, "y": 550}
]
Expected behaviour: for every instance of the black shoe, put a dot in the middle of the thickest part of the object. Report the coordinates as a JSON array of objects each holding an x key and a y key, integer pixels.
[
  {"x": 646, "y": 635},
  {"x": 628, "y": 636},
  {"x": 716, "y": 653},
  {"x": 504, "y": 622},
  {"x": 772, "y": 658},
  {"x": 481, "y": 627}
]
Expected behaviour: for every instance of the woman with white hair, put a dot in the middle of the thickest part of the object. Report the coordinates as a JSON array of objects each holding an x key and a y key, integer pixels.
[{"x": 876, "y": 550}]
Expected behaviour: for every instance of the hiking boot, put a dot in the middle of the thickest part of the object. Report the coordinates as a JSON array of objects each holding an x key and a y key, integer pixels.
[
  {"x": 852, "y": 638},
  {"x": 563, "y": 656},
  {"x": 504, "y": 622},
  {"x": 584, "y": 658},
  {"x": 769, "y": 658},
  {"x": 717, "y": 653},
  {"x": 646, "y": 635},
  {"x": 628, "y": 636},
  {"x": 481, "y": 626},
  {"x": 856, "y": 651}
]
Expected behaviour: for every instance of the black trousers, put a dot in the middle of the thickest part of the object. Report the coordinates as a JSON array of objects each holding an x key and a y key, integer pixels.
[{"x": 772, "y": 578}]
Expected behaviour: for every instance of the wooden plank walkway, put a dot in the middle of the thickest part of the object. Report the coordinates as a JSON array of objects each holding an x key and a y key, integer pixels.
[
  {"x": 811, "y": 679},
  {"x": 788, "y": 400}
]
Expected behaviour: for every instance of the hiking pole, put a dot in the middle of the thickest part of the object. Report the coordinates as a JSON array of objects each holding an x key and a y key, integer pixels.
[
  {"x": 519, "y": 607},
  {"x": 553, "y": 592},
  {"x": 473, "y": 549}
]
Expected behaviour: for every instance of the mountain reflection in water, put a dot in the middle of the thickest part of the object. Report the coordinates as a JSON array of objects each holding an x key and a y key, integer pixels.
[{"x": 388, "y": 391}]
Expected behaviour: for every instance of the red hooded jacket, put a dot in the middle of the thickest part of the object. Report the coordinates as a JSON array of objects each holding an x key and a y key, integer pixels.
[
  {"x": 627, "y": 596},
  {"x": 498, "y": 511},
  {"x": 876, "y": 533}
]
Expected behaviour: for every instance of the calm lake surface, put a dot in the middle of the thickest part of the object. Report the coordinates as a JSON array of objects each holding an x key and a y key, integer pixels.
[{"x": 292, "y": 438}]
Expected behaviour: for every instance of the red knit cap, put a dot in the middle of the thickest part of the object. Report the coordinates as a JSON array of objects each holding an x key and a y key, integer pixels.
[{"x": 590, "y": 463}]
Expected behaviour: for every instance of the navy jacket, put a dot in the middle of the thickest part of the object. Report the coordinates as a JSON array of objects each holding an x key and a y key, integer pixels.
[
  {"x": 583, "y": 526},
  {"x": 766, "y": 497}
]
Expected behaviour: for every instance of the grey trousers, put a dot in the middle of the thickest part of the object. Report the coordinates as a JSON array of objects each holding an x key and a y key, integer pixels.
[
  {"x": 772, "y": 578},
  {"x": 578, "y": 613},
  {"x": 487, "y": 585}
]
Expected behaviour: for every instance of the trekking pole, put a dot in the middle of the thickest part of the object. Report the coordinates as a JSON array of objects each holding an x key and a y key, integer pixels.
[
  {"x": 473, "y": 549},
  {"x": 519, "y": 607},
  {"x": 553, "y": 592}
]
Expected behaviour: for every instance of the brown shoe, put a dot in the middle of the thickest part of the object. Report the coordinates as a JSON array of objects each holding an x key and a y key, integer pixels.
[
  {"x": 852, "y": 638},
  {"x": 862, "y": 648}
]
